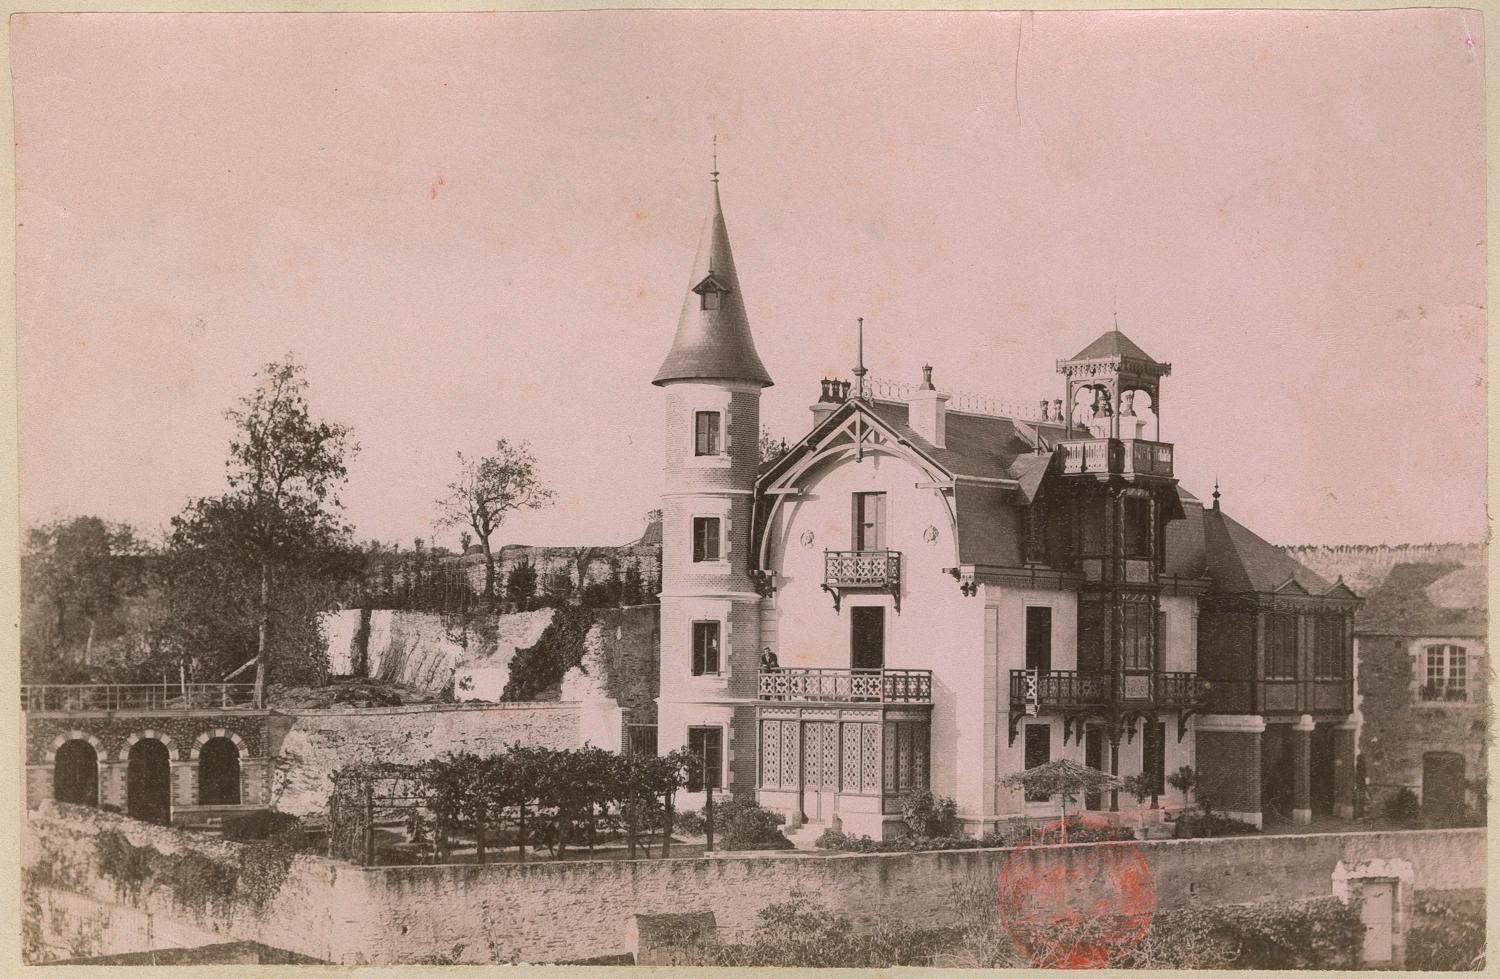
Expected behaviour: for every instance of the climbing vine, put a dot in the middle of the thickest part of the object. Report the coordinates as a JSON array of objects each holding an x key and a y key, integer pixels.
[{"x": 195, "y": 881}]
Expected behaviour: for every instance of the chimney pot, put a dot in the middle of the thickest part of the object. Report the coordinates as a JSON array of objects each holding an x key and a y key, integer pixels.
[{"x": 927, "y": 377}]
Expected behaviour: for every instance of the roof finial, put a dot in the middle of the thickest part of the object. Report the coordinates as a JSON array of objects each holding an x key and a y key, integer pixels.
[
  {"x": 1216, "y": 492},
  {"x": 859, "y": 366},
  {"x": 1115, "y": 306},
  {"x": 715, "y": 172}
]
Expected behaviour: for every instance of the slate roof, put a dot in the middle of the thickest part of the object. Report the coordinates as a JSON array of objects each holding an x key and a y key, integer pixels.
[
  {"x": 1113, "y": 344},
  {"x": 714, "y": 344},
  {"x": 1240, "y": 561},
  {"x": 981, "y": 446},
  {"x": 1415, "y": 600}
]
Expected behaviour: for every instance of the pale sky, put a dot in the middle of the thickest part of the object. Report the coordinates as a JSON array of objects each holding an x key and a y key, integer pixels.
[{"x": 475, "y": 226}]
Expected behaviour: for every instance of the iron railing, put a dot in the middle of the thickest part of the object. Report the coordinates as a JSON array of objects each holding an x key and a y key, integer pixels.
[
  {"x": 1067, "y": 689},
  {"x": 65, "y": 698},
  {"x": 846, "y": 686},
  {"x": 1180, "y": 689}
]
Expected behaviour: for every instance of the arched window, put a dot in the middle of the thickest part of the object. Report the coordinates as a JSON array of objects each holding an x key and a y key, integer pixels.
[
  {"x": 219, "y": 773},
  {"x": 75, "y": 773}
]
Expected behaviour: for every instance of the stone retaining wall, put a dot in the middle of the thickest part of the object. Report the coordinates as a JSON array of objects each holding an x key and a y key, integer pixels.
[{"x": 549, "y": 912}]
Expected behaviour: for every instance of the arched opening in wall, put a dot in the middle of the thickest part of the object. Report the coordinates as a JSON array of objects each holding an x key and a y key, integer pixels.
[
  {"x": 219, "y": 773},
  {"x": 1091, "y": 409},
  {"x": 1138, "y": 417},
  {"x": 148, "y": 782},
  {"x": 1442, "y": 785},
  {"x": 75, "y": 773}
]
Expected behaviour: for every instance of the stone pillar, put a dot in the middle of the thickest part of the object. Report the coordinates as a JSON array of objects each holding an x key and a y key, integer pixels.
[
  {"x": 1302, "y": 770},
  {"x": 1343, "y": 769},
  {"x": 1227, "y": 759}
]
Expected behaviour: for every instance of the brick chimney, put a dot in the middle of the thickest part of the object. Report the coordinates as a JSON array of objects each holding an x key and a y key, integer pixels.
[
  {"x": 927, "y": 413},
  {"x": 828, "y": 401}
]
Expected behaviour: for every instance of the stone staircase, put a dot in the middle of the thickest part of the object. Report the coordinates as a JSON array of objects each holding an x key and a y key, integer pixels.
[{"x": 804, "y": 836}]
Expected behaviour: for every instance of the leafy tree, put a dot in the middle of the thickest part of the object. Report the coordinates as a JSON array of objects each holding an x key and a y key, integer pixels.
[
  {"x": 486, "y": 490},
  {"x": 76, "y": 577},
  {"x": 465, "y": 540},
  {"x": 769, "y": 448},
  {"x": 285, "y": 472},
  {"x": 557, "y": 589},
  {"x": 632, "y": 587},
  {"x": 1065, "y": 779}
]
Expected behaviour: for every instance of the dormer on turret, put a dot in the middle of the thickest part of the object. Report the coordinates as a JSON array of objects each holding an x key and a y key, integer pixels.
[{"x": 713, "y": 341}]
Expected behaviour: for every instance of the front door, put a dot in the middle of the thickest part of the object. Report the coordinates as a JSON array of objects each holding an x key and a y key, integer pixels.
[
  {"x": 1320, "y": 771},
  {"x": 1376, "y": 911},
  {"x": 1093, "y": 757},
  {"x": 867, "y": 637},
  {"x": 1442, "y": 785},
  {"x": 820, "y": 769}
]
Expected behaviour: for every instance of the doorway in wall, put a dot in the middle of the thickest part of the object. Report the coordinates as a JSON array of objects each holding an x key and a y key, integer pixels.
[
  {"x": 148, "y": 782},
  {"x": 75, "y": 773},
  {"x": 867, "y": 637}
]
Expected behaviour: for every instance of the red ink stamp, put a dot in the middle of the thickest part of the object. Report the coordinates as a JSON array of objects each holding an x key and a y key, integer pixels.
[{"x": 1074, "y": 907}]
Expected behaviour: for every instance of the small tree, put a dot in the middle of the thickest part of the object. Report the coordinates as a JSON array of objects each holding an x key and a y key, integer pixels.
[
  {"x": 1141, "y": 787},
  {"x": 1065, "y": 779},
  {"x": 520, "y": 586},
  {"x": 486, "y": 490},
  {"x": 1184, "y": 780}
]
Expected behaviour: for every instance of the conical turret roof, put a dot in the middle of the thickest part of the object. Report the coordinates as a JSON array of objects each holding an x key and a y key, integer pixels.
[{"x": 713, "y": 344}]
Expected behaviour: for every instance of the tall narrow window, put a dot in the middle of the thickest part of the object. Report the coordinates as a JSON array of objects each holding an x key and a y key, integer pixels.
[
  {"x": 1091, "y": 655},
  {"x": 707, "y": 743},
  {"x": 1328, "y": 654},
  {"x": 706, "y": 433},
  {"x": 1038, "y": 752},
  {"x": 1038, "y": 637},
  {"x": 705, "y": 539},
  {"x": 705, "y": 648},
  {"x": 869, "y": 521},
  {"x": 1139, "y": 629},
  {"x": 1154, "y": 756},
  {"x": 1281, "y": 646},
  {"x": 1036, "y": 534},
  {"x": 1137, "y": 526}
]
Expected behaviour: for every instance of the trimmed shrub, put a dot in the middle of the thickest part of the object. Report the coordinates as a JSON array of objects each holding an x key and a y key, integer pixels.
[
  {"x": 1403, "y": 806},
  {"x": 1191, "y": 825},
  {"x": 930, "y": 816},
  {"x": 741, "y": 824}
]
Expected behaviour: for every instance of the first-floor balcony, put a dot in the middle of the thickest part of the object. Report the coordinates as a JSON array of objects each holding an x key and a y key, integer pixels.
[
  {"x": 164, "y": 697},
  {"x": 1288, "y": 695},
  {"x": 818, "y": 685},
  {"x": 1077, "y": 694},
  {"x": 878, "y": 570}
]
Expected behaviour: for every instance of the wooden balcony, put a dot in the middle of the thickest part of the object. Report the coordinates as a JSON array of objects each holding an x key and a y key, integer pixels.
[
  {"x": 1128, "y": 457},
  {"x": 1058, "y": 689},
  {"x": 1281, "y": 696},
  {"x": 153, "y": 697},
  {"x": 816, "y": 685},
  {"x": 1076, "y": 694},
  {"x": 862, "y": 570}
]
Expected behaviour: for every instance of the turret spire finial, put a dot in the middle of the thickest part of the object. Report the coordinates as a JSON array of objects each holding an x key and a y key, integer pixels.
[
  {"x": 1216, "y": 492},
  {"x": 714, "y": 173}
]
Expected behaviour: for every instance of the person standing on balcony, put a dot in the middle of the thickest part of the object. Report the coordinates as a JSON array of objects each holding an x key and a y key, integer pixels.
[{"x": 768, "y": 660}]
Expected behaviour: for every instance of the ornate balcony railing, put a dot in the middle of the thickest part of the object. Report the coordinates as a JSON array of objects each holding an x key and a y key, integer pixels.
[
  {"x": 846, "y": 686},
  {"x": 878, "y": 570},
  {"x": 1123, "y": 456},
  {"x": 60, "y": 698},
  {"x": 1054, "y": 689},
  {"x": 1180, "y": 689}
]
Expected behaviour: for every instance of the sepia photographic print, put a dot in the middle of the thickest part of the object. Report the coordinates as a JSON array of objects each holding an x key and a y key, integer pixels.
[{"x": 864, "y": 489}]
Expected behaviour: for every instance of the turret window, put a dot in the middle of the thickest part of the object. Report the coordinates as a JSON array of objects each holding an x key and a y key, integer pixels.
[
  {"x": 705, "y": 539},
  {"x": 706, "y": 433},
  {"x": 705, "y": 648},
  {"x": 710, "y": 298}
]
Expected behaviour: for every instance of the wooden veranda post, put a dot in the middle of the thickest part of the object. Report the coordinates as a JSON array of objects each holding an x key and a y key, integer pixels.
[{"x": 369, "y": 825}]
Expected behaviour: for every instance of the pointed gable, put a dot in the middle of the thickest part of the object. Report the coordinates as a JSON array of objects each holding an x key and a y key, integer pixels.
[{"x": 713, "y": 340}]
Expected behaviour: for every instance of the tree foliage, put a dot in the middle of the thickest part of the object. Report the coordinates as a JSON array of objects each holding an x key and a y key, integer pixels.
[
  {"x": 486, "y": 490},
  {"x": 77, "y": 577},
  {"x": 1064, "y": 778}
]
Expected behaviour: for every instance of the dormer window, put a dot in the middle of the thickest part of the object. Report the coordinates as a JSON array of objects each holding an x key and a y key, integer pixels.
[{"x": 710, "y": 292}]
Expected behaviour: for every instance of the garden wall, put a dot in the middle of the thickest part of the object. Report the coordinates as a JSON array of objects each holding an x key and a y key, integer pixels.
[
  {"x": 311, "y": 745},
  {"x": 549, "y": 912}
]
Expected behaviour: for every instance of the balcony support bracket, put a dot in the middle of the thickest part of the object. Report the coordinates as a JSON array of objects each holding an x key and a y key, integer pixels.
[
  {"x": 1183, "y": 716},
  {"x": 1014, "y": 721},
  {"x": 833, "y": 590}
]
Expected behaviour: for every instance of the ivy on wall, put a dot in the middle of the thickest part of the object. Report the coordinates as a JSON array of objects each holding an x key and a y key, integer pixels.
[{"x": 196, "y": 881}]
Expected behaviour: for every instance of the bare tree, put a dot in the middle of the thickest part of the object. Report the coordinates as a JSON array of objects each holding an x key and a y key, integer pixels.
[{"x": 488, "y": 488}]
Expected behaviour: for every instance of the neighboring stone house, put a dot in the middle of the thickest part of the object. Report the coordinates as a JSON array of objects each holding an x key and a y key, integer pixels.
[
  {"x": 593, "y": 564},
  {"x": 948, "y": 590},
  {"x": 1423, "y": 672}
]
